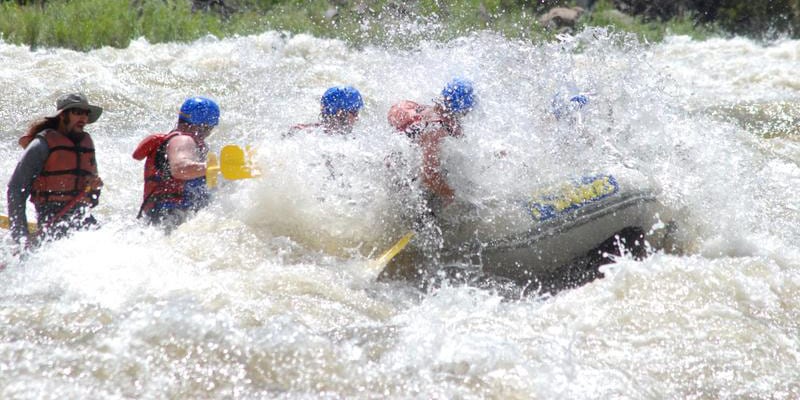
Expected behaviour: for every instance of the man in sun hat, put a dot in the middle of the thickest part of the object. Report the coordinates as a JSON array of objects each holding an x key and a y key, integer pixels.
[{"x": 58, "y": 170}]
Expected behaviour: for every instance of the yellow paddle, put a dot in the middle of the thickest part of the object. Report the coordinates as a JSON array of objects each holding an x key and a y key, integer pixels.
[
  {"x": 212, "y": 170},
  {"x": 5, "y": 223},
  {"x": 233, "y": 164},
  {"x": 380, "y": 263}
]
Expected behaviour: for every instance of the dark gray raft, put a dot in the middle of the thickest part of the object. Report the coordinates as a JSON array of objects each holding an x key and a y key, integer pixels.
[{"x": 581, "y": 224}]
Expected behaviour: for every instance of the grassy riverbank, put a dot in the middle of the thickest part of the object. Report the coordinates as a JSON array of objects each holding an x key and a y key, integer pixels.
[{"x": 89, "y": 24}]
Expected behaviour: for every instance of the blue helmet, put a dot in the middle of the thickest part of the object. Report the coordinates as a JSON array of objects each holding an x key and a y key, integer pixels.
[
  {"x": 580, "y": 100},
  {"x": 341, "y": 98},
  {"x": 458, "y": 95},
  {"x": 561, "y": 106},
  {"x": 199, "y": 111}
]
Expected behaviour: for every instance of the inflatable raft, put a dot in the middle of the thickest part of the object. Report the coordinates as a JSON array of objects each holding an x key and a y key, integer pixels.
[{"x": 537, "y": 238}]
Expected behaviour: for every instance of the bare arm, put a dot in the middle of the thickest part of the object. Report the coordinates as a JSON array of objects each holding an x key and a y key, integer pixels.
[
  {"x": 183, "y": 161},
  {"x": 431, "y": 143}
]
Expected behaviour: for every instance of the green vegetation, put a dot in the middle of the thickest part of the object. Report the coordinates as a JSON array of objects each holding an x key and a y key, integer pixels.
[
  {"x": 762, "y": 19},
  {"x": 604, "y": 14},
  {"x": 89, "y": 24}
]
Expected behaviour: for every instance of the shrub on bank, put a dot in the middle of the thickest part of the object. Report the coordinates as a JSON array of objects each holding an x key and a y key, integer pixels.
[
  {"x": 88, "y": 24},
  {"x": 606, "y": 14},
  {"x": 740, "y": 17}
]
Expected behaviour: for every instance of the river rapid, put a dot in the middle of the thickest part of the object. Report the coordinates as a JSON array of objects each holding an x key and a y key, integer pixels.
[{"x": 268, "y": 293}]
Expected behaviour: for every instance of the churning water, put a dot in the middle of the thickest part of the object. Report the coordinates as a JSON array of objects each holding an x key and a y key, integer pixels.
[{"x": 268, "y": 294}]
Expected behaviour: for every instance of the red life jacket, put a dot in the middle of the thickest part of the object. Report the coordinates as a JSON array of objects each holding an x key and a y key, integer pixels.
[
  {"x": 66, "y": 170},
  {"x": 159, "y": 185},
  {"x": 413, "y": 118}
]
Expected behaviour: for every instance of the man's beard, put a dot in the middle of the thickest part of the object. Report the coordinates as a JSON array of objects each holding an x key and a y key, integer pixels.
[{"x": 74, "y": 130}]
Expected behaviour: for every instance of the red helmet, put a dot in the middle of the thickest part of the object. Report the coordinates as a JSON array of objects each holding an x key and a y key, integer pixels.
[{"x": 404, "y": 114}]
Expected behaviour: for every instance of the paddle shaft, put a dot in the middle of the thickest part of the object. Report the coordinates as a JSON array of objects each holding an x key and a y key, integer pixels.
[{"x": 64, "y": 210}]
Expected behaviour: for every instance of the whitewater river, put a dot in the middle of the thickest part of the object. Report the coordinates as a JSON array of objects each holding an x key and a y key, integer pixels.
[{"x": 268, "y": 292}]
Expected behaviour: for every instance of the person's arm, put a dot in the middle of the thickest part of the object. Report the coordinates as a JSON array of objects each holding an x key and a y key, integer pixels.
[
  {"x": 182, "y": 158},
  {"x": 431, "y": 143},
  {"x": 93, "y": 184},
  {"x": 19, "y": 186}
]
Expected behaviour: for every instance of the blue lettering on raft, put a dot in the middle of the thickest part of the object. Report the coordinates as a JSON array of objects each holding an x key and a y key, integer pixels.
[{"x": 587, "y": 190}]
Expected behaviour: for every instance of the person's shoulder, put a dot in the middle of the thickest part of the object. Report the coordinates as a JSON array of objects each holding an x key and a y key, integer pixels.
[
  {"x": 37, "y": 142},
  {"x": 149, "y": 145},
  {"x": 179, "y": 139},
  {"x": 47, "y": 133},
  {"x": 408, "y": 117},
  {"x": 44, "y": 137},
  {"x": 176, "y": 133},
  {"x": 25, "y": 140},
  {"x": 88, "y": 138}
]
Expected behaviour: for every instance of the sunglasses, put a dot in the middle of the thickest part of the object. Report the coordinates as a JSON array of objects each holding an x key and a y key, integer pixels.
[{"x": 79, "y": 111}]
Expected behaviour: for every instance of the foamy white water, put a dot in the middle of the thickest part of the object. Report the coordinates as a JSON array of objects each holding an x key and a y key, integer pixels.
[{"x": 267, "y": 294}]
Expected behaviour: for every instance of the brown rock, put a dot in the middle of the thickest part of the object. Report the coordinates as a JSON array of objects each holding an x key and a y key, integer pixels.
[{"x": 560, "y": 17}]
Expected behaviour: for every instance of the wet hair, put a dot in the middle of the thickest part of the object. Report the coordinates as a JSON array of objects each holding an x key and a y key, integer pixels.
[
  {"x": 38, "y": 126},
  {"x": 42, "y": 124}
]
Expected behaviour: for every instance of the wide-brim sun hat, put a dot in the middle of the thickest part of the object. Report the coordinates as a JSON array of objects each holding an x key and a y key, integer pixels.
[{"x": 76, "y": 100}]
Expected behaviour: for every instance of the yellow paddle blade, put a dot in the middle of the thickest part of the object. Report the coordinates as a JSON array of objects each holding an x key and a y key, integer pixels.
[
  {"x": 378, "y": 264},
  {"x": 234, "y": 165},
  {"x": 5, "y": 223},
  {"x": 212, "y": 170}
]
